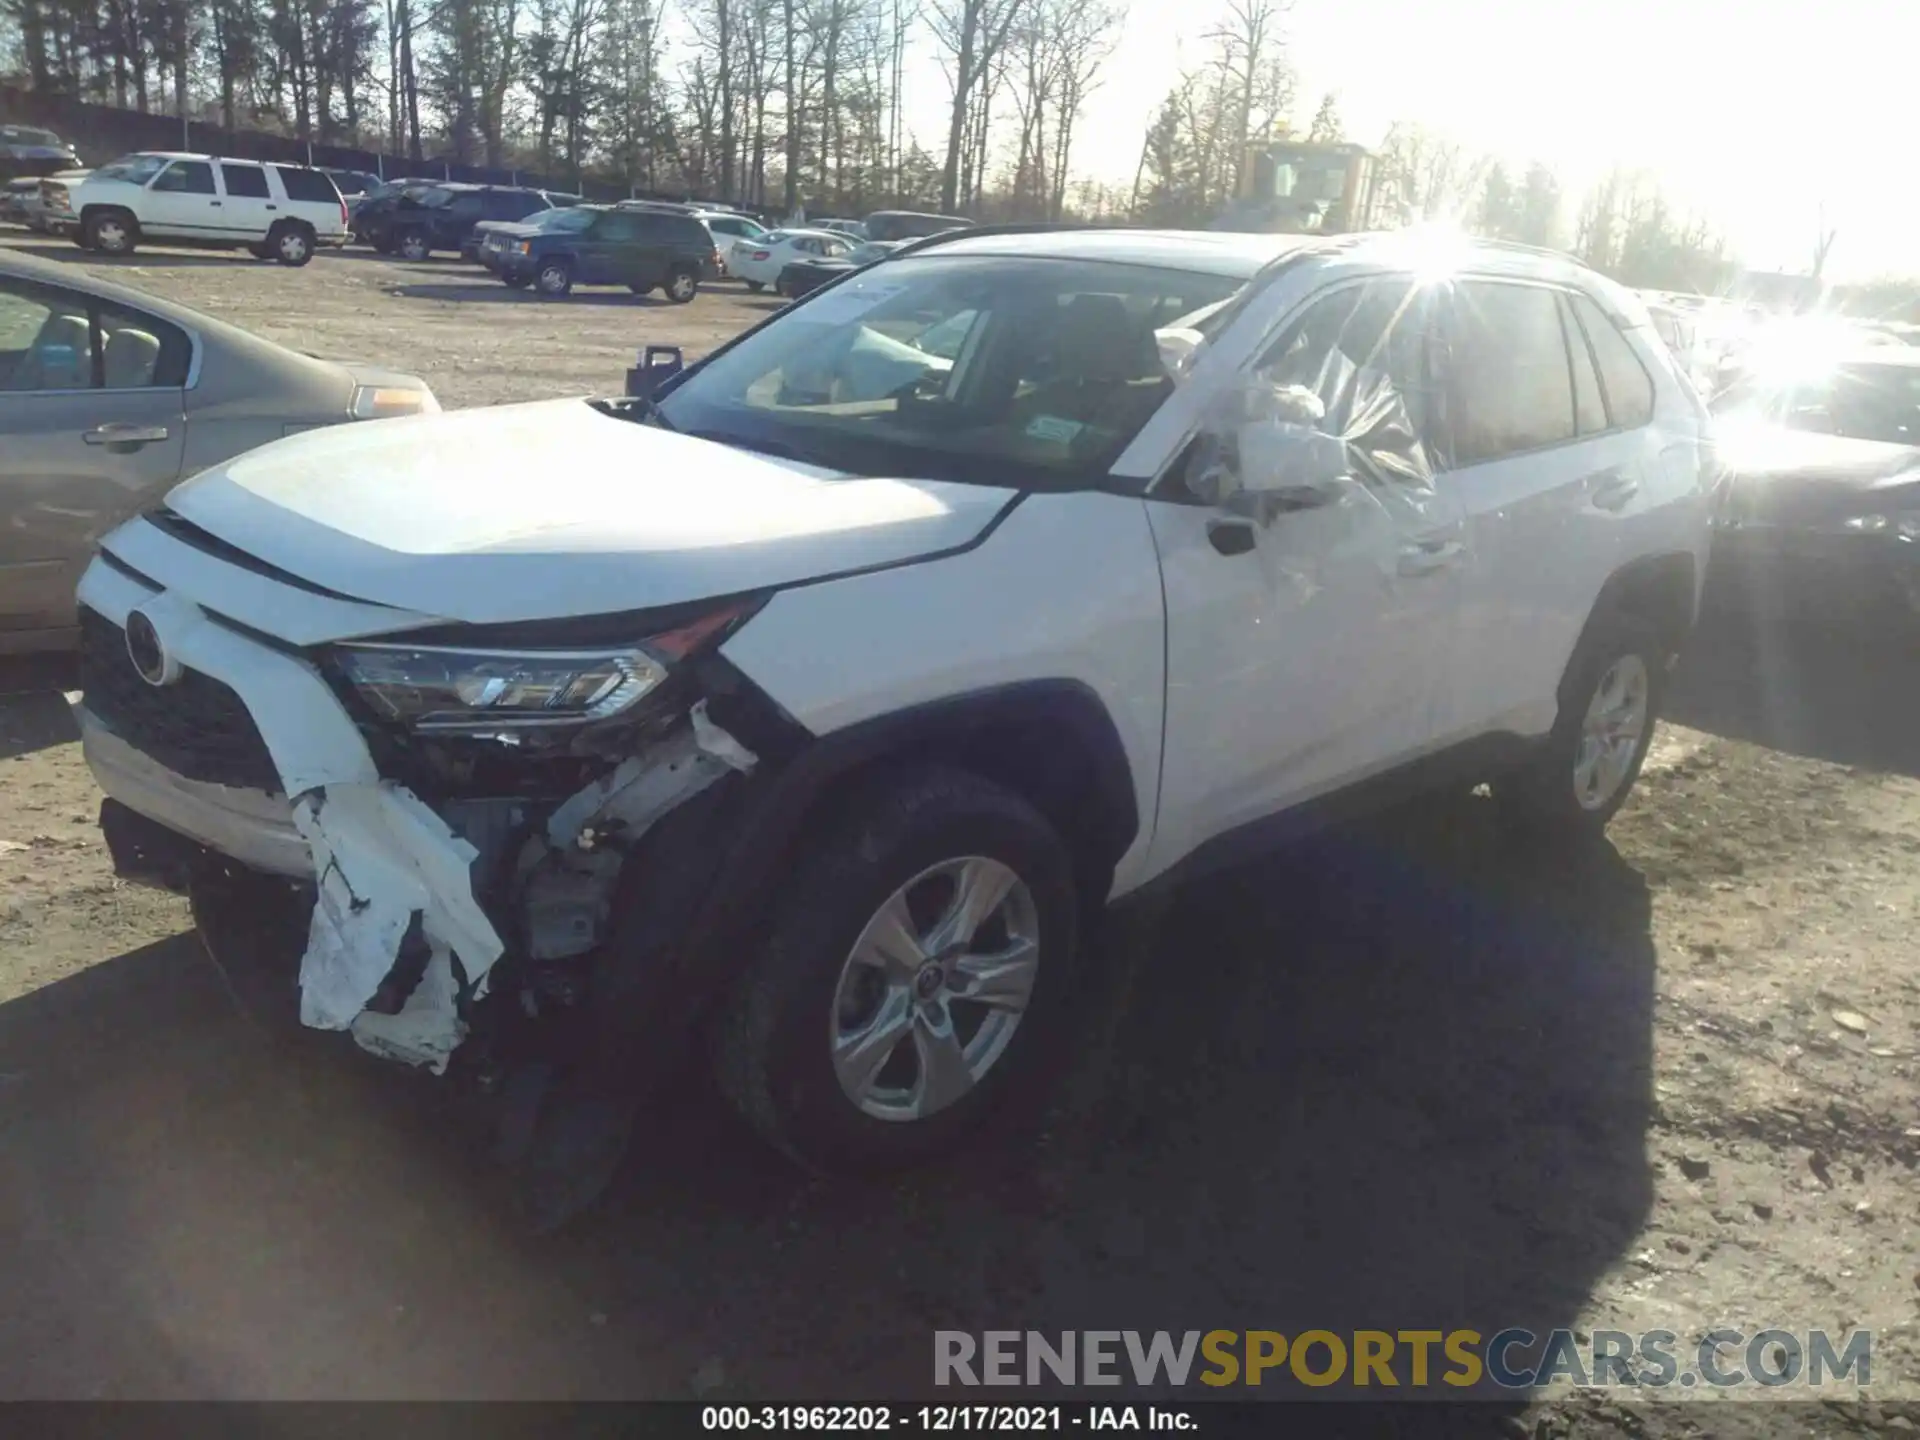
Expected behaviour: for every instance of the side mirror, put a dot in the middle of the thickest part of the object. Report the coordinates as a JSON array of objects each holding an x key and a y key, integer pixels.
[
  {"x": 658, "y": 364},
  {"x": 1286, "y": 466}
]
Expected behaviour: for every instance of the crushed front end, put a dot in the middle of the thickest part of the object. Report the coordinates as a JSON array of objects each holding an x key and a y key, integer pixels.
[{"x": 497, "y": 846}]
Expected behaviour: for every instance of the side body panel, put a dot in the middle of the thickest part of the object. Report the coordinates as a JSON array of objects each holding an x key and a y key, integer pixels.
[{"x": 1067, "y": 587}]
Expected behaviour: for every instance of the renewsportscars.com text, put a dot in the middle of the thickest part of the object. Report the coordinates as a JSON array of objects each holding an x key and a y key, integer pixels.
[{"x": 1514, "y": 1359}]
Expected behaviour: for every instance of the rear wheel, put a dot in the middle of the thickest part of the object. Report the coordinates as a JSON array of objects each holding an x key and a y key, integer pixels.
[
  {"x": 555, "y": 279},
  {"x": 111, "y": 232},
  {"x": 915, "y": 974},
  {"x": 682, "y": 286},
  {"x": 1609, "y": 705},
  {"x": 756, "y": 286},
  {"x": 413, "y": 246},
  {"x": 291, "y": 242}
]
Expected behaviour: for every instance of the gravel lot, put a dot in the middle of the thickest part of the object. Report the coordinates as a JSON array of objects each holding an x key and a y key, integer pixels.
[{"x": 1407, "y": 1075}]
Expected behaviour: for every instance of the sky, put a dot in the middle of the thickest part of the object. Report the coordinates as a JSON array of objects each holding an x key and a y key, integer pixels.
[{"x": 1764, "y": 117}]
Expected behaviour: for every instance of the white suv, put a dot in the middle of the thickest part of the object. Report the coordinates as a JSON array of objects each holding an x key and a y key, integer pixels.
[
  {"x": 278, "y": 212},
  {"x": 813, "y": 705}
]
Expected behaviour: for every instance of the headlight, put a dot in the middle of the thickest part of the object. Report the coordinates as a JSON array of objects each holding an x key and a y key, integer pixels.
[
  {"x": 481, "y": 691},
  {"x": 1902, "y": 526},
  {"x": 384, "y": 402},
  {"x": 469, "y": 690}
]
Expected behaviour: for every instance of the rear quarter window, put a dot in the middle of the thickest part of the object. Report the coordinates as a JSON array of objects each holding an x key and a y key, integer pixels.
[{"x": 311, "y": 185}]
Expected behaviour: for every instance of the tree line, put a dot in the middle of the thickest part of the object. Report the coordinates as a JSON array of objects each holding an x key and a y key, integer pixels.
[{"x": 785, "y": 103}]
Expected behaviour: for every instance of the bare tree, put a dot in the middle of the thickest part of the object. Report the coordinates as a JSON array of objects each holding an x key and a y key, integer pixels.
[{"x": 973, "y": 33}]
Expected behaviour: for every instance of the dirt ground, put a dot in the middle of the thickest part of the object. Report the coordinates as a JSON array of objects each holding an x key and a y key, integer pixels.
[{"x": 1406, "y": 1075}]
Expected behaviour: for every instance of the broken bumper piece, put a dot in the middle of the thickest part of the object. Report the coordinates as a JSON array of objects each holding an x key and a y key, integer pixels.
[{"x": 393, "y": 880}]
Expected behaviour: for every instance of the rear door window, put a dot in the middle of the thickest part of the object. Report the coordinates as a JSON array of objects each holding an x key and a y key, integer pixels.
[
  {"x": 1589, "y": 410},
  {"x": 248, "y": 181},
  {"x": 53, "y": 339},
  {"x": 1623, "y": 379},
  {"x": 1510, "y": 383}
]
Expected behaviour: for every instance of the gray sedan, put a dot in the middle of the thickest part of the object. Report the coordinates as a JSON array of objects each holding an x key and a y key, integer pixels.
[{"x": 108, "y": 396}]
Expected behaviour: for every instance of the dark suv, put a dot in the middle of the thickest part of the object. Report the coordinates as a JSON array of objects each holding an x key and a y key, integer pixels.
[
  {"x": 439, "y": 218},
  {"x": 28, "y": 150},
  {"x": 605, "y": 245}
]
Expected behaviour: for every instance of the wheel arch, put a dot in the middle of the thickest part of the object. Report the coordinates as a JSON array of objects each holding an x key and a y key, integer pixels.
[{"x": 1660, "y": 591}]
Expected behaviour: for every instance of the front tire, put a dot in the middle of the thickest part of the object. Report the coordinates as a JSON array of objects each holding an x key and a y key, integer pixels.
[
  {"x": 1609, "y": 705},
  {"x": 914, "y": 976},
  {"x": 110, "y": 232},
  {"x": 554, "y": 280},
  {"x": 516, "y": 282},
  {"x": 756, "y": 286},
  {"x": 413, "y": 246}
]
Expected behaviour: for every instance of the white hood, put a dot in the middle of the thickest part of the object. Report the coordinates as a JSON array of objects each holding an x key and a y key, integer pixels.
[{"x": 550, "y": 510}]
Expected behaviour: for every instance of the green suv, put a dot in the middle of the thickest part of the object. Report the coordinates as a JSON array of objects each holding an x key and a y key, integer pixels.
[{"x": 645, "y": 250}]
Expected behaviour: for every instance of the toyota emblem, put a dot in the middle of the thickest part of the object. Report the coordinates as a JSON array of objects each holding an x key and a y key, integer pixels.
[{"x": 149, "y": 656}]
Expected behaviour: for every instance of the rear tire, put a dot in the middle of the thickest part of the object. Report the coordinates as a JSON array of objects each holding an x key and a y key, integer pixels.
[
  {"x": 413, "y": 246},
  {"x": 291, "y": 243},
  {"x": 1609, "y": 706},
  {"x": 756, "y": 286},
  {"x": 110, "y": 232},
  {"x": 849, "y": 1042},
  {"x": 682, "y": 286}
]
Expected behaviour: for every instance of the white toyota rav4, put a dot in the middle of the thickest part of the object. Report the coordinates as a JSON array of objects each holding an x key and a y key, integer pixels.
[{"x": 807, "y": 709}]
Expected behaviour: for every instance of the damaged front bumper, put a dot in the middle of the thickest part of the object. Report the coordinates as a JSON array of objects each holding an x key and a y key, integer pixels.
[{"x": 219, "y": 750}]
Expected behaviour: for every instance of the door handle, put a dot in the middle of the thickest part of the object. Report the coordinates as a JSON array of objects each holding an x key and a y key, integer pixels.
[
  {"x": 125, "y": 437},
  {"x": 1610, "y": 490},
  {"x": 1428, "y": 557},
  {"x": 272, "y": 206},
  {"x": 214, "y": 203}
]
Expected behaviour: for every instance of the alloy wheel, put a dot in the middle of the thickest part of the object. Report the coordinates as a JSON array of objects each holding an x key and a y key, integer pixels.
[
  {"x": 933, "y": 990},
  {"x": 1612, "y": 732}
]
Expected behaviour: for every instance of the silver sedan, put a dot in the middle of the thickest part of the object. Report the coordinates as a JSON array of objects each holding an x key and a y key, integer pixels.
[{"x": 108, "y": 397}]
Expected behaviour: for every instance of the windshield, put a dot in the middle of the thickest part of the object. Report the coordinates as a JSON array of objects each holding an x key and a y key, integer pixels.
[
  {"x": 23, "y": 135},
  {"x": 138, "y": 169},
  {"x": 1853, "y": 401},
  {"x": 435, "y": 198},
  {"x": 567, "y": 220},
  {"x": 871, "y": 251},
  {"x": 1028, "y": 372}
]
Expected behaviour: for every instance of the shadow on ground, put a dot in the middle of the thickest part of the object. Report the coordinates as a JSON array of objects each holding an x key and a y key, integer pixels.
[
  {"x": 34, "y": 714},
  {"x": 1395, "y": 1078},
  {"x": 1840, "y": 689},
  {"x": 144, "y": 258}
]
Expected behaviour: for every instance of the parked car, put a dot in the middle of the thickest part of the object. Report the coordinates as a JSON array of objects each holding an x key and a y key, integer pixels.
[
  {"x": 370, "y": 215},
  {"x": 107, "y": 397},
  {"x": 441, "y": 218},
  {"x": 759, "y": 262},
  {"x": 910, "y": 225},
  {"x": 1821, "y": 515},
  {"x": 727, "y": 228},
  {"x": 15, "y": 198},
  {"x": 808, "y": 726},
  {"x": 645, "y": 250},
  {"x": 33, "y": 210},
  {"x": 279, "y": 212},
  {"x": 475, "y": 238},
  {"x": 26, "y": 150},
  {"x": 800, "y": 277}
]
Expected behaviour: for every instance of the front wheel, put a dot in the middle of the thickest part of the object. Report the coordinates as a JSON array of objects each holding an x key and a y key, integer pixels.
[
  {"x": 111, "y": 232},
  {"x": 413, "y": 246},
  {"x": 914, "y": 977},
  {"x": 1587, "y": 766},
  {"x": 555, "y": 279},
  {"x": 756, "y": 286},
  {"x": 515, "y": 282},
  {"x": 682, "y": 286}
]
